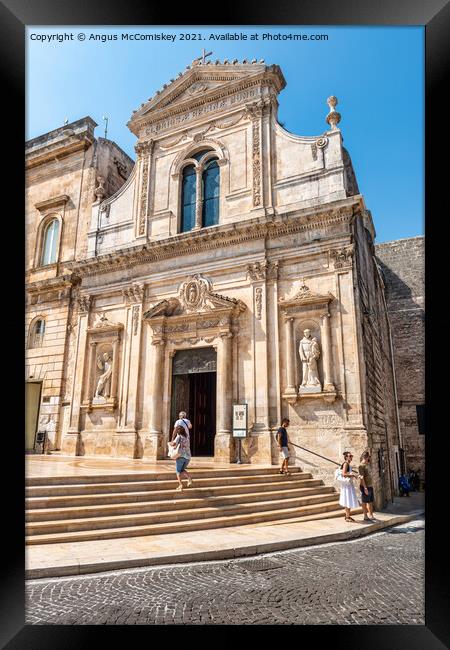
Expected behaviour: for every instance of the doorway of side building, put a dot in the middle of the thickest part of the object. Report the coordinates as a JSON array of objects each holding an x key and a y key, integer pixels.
[
  {"x": 194, "y": 391},
  {"x": 32, "y": 407}
]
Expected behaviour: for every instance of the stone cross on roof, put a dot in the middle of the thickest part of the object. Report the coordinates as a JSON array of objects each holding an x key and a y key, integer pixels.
[{"x": 202, "y": 57}]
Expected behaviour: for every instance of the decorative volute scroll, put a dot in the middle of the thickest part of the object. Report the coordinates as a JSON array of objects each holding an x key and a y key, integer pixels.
[
  {"x": 198, "y": 313},
  {"x": 103, "y": 352},
  {"x": 305, "y": 306}
]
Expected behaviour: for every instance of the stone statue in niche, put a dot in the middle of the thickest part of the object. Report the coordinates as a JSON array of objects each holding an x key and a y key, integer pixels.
[
  {"x": 309, "y": 351},
  {"x": 104, "y": 363}
]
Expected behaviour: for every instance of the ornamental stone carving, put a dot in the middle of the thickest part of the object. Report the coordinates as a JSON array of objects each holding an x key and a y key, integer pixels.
[
  {"x": 309, "y": 352},
  {"x": 84, "y": 303},
  {"x": 333, "y": 118},
  {"x": 185, "y": 319},
  {"x": 256, "y": 271},
  {"x": 100, "y": 189},
  {"x": 105, "y": 209},
  {"x": 193, "y": 293},
  {"x": 258, "y": 302},
  {"x": 342, "y": 257},
  {"x": 134, "y": 293},
  {"x": 135, "y": 319},
  {"x": 143, "y": 150},
  {"x": 265, "y": 270}
]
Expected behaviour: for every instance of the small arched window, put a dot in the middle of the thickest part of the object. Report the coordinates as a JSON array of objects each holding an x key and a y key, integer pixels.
[
  {"x": 37, "y": 333},
  {"x": 50, "y": 243},
  {"x": 208, "y": 196}
]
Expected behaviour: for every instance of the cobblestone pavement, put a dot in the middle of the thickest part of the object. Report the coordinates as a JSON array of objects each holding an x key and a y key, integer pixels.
[{"x": 375, "y": 580}]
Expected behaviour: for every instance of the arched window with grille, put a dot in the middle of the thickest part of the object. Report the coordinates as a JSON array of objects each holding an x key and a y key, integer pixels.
[
  {"x": 50, "y": 243},
  {"x": 37, "y": 331}
]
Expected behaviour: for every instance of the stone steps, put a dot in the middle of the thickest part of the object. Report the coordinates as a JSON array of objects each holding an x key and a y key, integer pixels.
[
  {"x": 79, "y": 500},
  {"x": 185, "y": 501},
  {"x": 163, "y": 475},
  {"x": 331, "y": 507},
  {"x": 127, "y": 520},
  {"x": 117, "y": 485},
  {"x": 83, "y": 508}
]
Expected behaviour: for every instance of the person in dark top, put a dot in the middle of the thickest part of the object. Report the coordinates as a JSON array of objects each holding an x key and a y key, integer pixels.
[{"x": 283, "y": 445}]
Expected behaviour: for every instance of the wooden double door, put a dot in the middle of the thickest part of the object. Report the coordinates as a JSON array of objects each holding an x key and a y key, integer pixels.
[{"x": 195, "y": 393}]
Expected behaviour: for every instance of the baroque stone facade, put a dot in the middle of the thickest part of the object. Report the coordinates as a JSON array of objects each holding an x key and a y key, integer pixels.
[{"x": 291, "y": 256}]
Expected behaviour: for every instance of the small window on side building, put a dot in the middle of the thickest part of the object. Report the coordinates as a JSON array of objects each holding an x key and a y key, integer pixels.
[{"x": 420, "y": 410}]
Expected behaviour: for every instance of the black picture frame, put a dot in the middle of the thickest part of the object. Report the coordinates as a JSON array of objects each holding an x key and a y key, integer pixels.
[{"x": 14, "y": 16}]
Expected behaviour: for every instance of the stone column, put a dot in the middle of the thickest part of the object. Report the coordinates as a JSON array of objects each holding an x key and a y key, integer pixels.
[
  {"x": 223, "y": 441},
  {"x": 156, "y": 388},
  {"x": 199, "y": 199},
  {"x": 79, "y": 368},
  {"x": 92, "y": 367},
  {"x": 115, "y": 369},
  {"x": 325, "y": 332},
  {"x": 290, "y": 356}
]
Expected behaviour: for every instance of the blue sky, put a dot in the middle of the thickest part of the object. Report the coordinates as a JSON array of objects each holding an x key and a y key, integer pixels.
[{"x": 377, "y": 73}]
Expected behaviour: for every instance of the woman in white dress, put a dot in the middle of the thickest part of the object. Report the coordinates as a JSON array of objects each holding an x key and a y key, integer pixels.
[{"x": 348, "y": 498}]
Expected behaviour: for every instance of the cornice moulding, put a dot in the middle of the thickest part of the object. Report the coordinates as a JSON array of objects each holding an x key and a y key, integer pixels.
[
  {"x": 51, "y": 203},
  {"x": 218, "y": 236},
  {"x": 55, "y": 152},
  {"x": 151, "y": 115}
]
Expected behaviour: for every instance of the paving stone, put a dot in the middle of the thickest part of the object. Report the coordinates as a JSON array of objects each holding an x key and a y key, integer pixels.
[{"x": 318, "y": 585}]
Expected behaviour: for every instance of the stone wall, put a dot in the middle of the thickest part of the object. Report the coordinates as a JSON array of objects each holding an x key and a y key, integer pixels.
[
  {"x": 377, "y": 378},
  {"x": 402, "y": 264}
]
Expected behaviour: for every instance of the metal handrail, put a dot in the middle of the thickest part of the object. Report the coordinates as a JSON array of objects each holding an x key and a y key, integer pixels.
[{"x": 313, "y": 452}]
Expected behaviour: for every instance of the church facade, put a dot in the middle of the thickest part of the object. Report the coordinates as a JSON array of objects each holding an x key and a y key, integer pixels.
[{"x": 234, "y": 263}]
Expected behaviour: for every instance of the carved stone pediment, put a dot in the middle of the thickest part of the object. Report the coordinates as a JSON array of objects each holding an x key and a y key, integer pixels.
[
  {"x": 164, "y": 308},
  {"x": 103, "y": 324},
  {"x": 205, "y": 83},
  {"x": 196, "y": 310},
  {"x": 305, "y": 298},
  {"x": 196, "y": 296}
]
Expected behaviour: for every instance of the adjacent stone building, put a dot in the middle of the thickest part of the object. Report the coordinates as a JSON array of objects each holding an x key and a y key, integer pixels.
[
  {"x": 66, "y": 170},
  {"x": 403, "y": 268},
  {"x": 235, "y": 264}
]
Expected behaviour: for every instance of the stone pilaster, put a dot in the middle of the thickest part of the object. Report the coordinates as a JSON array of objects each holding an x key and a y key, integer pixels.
[
  {"x": 325, "y": 331},
  {"x": 77, "y": 387},
  {"x": 154, "y": 438},
  {"x": 223, "y": 444},
  {"x": 290, "y": 357}
]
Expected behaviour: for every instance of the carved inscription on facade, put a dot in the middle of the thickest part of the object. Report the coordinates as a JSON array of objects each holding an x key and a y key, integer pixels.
[{"x": 204, "y": 109}]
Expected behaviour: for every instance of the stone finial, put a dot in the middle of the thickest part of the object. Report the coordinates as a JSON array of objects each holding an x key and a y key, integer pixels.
[
  {"x": 100, "y": 189},
  {"x": 333, "y": 116}
]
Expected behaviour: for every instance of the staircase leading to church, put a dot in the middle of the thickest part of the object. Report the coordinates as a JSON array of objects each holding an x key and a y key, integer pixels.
[{"x": 129, "y": 505}]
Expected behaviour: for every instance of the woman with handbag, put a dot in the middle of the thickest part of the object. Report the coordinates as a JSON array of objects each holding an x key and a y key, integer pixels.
[
  {"x": 348, "y": 498},
  {"x": 179, "y": 450}
]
